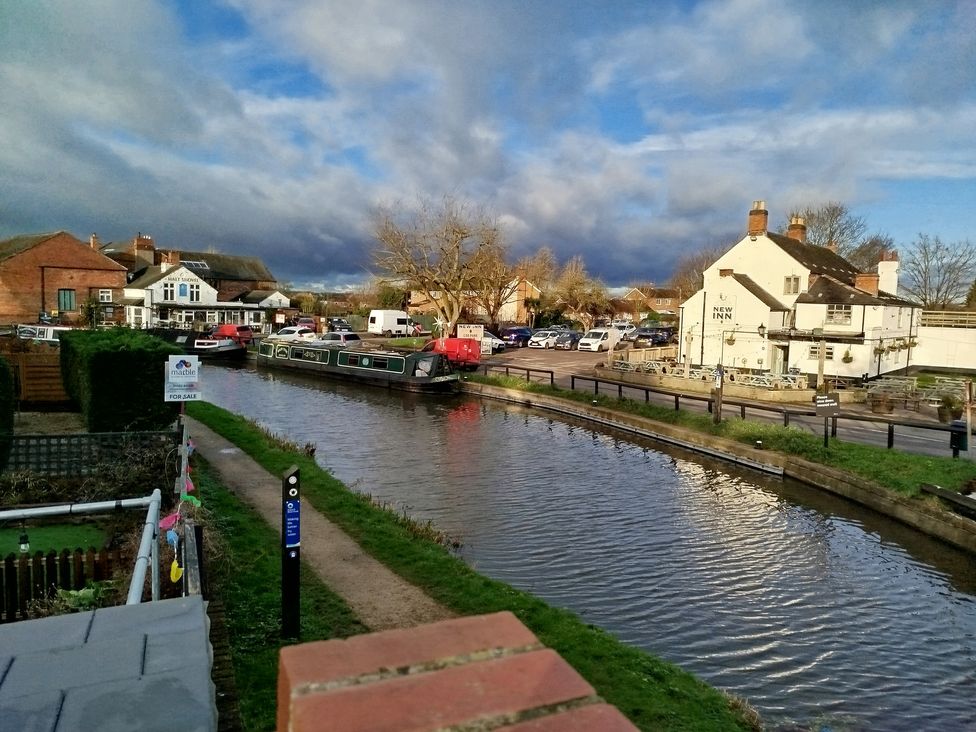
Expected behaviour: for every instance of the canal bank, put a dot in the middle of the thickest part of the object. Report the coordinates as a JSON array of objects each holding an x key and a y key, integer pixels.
[
  {"x": 923, "y": 514},
  {"x": 653, "y": 693}
]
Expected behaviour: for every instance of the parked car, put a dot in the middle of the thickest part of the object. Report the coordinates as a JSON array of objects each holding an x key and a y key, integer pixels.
[
  {"x": 649, "y": 337},
  {"x": 625, "y": 329},
  {"x": 295, "y": 333},
  {"x": 567, "y": 340},
  {"x": 497, "y": 344},
  {"x": 238, "y": 333},
  {"x": 343, "y": 338},
  {"x": 517, "y": 337},
  {"x": 544, "y": 339},
  {"x": 597, "y": 339},
  {"x": 339, "y": 325},
  {"x": 308, "y": 322}
]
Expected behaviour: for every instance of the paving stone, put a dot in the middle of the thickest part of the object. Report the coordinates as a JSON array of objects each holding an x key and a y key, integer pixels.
[
  {"x": 32, "y": 713},
  {"x": 59, "y": 631},
  {"x": 165, "y": 616}
]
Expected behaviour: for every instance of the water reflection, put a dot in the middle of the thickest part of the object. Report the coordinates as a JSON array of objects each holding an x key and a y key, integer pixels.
[{"x": 808, "y": 606}]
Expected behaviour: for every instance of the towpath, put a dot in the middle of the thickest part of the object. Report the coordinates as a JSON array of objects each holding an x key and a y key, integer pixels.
[{"x": 380, "y": 598}]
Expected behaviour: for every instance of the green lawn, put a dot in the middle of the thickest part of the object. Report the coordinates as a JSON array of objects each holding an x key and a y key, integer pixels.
[{"x": 56, "y": 537}]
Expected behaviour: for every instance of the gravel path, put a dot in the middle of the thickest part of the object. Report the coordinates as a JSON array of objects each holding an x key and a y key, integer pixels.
[{"x": 379, "y": 598}]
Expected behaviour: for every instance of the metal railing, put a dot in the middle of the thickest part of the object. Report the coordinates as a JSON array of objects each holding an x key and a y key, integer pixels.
[
  {"x": 508, "y": 368},
  {"x": 147, "y": 547}
]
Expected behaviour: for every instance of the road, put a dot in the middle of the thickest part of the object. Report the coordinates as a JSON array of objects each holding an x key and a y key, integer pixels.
[{"x": 919, "y": 440}]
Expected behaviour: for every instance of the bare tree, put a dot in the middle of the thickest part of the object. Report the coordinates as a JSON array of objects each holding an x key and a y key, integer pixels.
[
  {"x": 584, "y": 297},
  {"x": 937, "y": 274},
  {"x": 437, "y": 250},
  {"x": 832, "y": 223},
  {"x": 866, "y": 255},
  {"x": 687, "y": 277},
  {"x": 539, "y": 269},
  {"x": 495, "y": 281}
]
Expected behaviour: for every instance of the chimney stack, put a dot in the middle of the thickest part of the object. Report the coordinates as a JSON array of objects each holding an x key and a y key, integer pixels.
[
  {"x": 867, "y": 282},
  {"x": 758, "y": 218},
  {"x": 93, "y": 241},
  {"x": 832, "y": 246},
  {"x": 888, "y": 272},
  {"x": 797, "y": 229}
]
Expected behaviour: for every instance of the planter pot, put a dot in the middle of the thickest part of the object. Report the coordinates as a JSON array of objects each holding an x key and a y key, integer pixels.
[
  {"x": 945, "y": 414},
  {"x": 882, "y": 406},
  {"x": 956, "y": 412}
]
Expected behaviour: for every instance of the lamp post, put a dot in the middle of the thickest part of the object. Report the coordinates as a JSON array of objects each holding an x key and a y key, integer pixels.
[{"x": 720, "y": 372}]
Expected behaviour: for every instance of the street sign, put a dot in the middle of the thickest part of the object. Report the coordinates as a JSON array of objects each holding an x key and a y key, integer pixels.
[
  {"x": 182, "y": 379},
  {"x": 471, "y": 331},
  {"x": 827, "y": 405}
]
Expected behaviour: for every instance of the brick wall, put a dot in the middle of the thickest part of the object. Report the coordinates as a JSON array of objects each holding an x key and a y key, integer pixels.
[
  {"x": 30, "y": 280},
  {"x": 486, "y": 671}
]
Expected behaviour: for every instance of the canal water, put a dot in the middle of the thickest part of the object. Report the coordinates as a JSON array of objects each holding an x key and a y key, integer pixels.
[{"x": 816, "y": 611}]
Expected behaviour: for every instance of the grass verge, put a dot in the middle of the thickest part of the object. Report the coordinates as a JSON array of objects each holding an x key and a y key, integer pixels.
[
  {"x": 247, "y": 577},
  {"x": 654, "y": 694},
  {"x": 900, "y": 471}
]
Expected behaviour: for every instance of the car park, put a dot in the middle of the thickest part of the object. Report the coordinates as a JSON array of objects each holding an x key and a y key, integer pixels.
[
  {"x": 567, "y": 340},
  {"x": 342, "y": 338},
  {"x": 295, "y": 333},
  {"x": 516, "y": 337},
  {"x": 543, "y": 339},
  {"x": 238, "y": 333},
  {"x": 597, "y": 339}
]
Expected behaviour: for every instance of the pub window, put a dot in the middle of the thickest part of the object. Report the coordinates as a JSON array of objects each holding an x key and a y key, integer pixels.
[
  {"x": 791, "y": 285},
  {"x": 814, "y": 354},
  {"x": 169, "y": 291},
  {"x": 105, "y": 296},
  {"x": 194, "y": 293},
  {"x": 839, "y": 314},
  {"x": 66, "y": 300}
]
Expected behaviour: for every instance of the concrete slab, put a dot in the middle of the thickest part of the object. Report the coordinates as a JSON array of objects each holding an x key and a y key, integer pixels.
[
  {"x": 32, "y": 713},
  {"x": 60, "y": 631}
]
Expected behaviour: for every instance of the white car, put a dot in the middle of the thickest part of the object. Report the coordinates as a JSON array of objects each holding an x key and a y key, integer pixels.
[
  {"x": 597, "y": 339},
  {"x": 497, "y": 344},
  {"x": 544, "y": 339},
  {"x": 295, "y": 333}
]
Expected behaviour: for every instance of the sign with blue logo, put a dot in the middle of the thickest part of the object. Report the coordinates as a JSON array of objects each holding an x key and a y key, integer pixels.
[{"x": 293, "y": 524}]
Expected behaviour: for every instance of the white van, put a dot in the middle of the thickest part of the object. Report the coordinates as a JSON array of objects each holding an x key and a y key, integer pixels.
[{"x": 389, "y": 323}]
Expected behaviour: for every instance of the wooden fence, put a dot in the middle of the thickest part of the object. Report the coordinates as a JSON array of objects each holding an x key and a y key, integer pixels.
[
  {"x": 38, "y": 377},
  {"x": 34, "y": 577}
]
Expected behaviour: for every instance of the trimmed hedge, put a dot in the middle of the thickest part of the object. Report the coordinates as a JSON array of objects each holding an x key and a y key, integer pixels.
[
  {"x": 117, "y": 378},
  {"x": 7, "y": 405}
]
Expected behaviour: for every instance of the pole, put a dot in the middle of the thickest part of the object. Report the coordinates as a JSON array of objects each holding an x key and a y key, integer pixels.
[
  {"x": 821, "y": 362},
  {"x": 826, "y": 432},
  {"x": 291, "y": 540}
]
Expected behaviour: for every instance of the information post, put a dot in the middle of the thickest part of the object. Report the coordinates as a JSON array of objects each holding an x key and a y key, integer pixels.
[
  {"x": 291, "y": 560},
  {"x": 828, "y": 405}
]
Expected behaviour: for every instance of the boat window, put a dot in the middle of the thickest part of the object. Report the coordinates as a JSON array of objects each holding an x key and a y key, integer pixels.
[
  {"x": 353, "y": 359},
  {"x": 381, "y": 363}
]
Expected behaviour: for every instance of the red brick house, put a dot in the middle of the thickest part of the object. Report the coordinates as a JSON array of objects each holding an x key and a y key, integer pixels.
[{"x": 55, "y": 274}]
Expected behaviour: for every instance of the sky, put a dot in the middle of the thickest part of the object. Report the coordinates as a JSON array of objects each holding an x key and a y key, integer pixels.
[{"x": 629, "y": 133}]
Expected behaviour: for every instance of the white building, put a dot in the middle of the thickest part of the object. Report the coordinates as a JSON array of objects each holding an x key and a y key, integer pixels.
[
  {"x": 776, "y": 303},
  {"x": 174, "y": 295}
]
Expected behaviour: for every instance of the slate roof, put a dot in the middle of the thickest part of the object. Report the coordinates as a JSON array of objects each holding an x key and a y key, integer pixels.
[
  {"x": 151, "y": 275},
  {"x": 18, "y": 244},
  {"x": 759, "y": 293},
  {"x": 826, "y": 289},
  {"x": 227, "y": 266},
  {"x": 818, "y": 260},
  {"x": 255, "y": 296}
]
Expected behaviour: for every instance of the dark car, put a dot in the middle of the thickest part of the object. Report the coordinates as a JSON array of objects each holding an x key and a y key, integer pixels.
[
  {"x": 567, "y": 340},
  {"x": 339, "y": 325},
  {"x": 516, "y": 337},
  {"x": 649, "y": 337}
]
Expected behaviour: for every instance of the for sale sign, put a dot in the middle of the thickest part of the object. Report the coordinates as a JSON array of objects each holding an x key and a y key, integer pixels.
[{"x": 182, "y": 379}]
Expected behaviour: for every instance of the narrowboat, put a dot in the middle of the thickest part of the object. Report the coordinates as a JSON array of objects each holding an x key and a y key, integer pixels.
[
  {"x": 423, "y": 372},
  {"x": 218, "y": 348}
]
